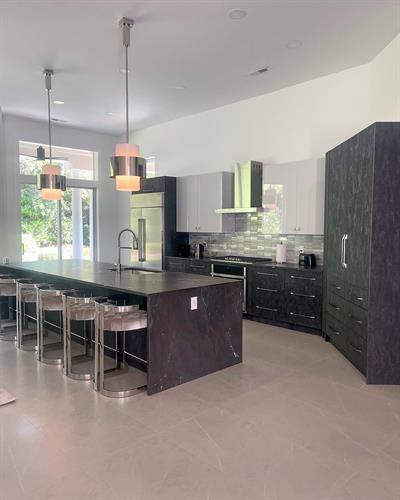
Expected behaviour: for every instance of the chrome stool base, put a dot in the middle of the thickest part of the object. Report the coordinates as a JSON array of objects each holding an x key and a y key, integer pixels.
[
  {"x": 120, "y": 320},
  {"x": 8, "y": 336},
  {"x": 122, "y": 394}
]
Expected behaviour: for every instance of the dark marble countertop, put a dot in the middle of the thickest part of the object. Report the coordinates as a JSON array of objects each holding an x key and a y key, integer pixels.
[{"x": 99, "y": 274}]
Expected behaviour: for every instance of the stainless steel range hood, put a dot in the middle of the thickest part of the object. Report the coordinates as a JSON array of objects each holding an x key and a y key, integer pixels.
[{"x": 248, "y": 189}]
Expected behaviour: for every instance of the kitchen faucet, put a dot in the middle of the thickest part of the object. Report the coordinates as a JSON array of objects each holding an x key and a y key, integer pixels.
[{"x": 135, "y": 246}]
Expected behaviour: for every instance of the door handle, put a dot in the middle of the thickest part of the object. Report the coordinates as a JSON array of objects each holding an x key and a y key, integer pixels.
[
  {"x": 142, "y": 240},
  {"x": 341, "y": 251},
  {"x": 345, "y": 238}
]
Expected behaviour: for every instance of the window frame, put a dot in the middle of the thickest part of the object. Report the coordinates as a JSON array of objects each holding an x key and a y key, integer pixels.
[{"x": 29, "y": 179}]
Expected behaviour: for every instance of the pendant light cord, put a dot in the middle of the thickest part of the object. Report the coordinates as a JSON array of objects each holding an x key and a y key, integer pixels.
[
  {"x": 127, "y": 93},
  {"x": 49, "y": 117}
]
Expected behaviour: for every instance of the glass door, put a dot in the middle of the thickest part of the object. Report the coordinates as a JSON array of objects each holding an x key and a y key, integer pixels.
[{"x": 53, "y": 230}]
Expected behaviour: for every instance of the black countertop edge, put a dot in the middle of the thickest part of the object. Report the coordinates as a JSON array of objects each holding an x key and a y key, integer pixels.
[
  {"x": 98, "y": 274},
  {"x": 274, "y": 265}
]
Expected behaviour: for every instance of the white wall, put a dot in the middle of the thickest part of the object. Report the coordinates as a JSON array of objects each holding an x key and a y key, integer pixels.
[
  {"x": 296, "y": 123},
  {"x": 385, "y": 83},
  {"x": 16, "y": 129}
]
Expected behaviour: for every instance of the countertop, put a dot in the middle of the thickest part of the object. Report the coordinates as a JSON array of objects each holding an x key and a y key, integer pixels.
[
  {"x": 271, "y": 264},
  {"x": 99, "y": 274}
]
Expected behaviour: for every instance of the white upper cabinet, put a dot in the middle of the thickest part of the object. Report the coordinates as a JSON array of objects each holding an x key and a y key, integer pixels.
[
  {"x": 293, "y": 197},
  {"x": 198, "y": 196}
]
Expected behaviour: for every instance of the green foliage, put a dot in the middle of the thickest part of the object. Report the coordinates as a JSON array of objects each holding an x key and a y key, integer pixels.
[{"x": 39, "y": 217}]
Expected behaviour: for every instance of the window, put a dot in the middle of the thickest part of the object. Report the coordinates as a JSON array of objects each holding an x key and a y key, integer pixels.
[
  {"x": 75, "y": 163},
  {"x": 65, "y": 229},
  {"x": 151, "y": 166}
]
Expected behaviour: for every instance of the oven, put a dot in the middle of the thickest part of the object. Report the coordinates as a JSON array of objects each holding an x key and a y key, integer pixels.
[{"x": 223, "y": 269}]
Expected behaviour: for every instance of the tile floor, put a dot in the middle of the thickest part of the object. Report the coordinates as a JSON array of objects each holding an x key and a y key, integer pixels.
[{"x": 295, "y": 421}]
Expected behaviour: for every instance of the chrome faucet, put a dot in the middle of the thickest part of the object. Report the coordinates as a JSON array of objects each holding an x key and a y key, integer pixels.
[{"x": 135, "y": 246}]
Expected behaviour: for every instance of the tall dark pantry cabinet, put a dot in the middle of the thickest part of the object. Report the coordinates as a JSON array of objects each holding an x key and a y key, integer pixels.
[{"x": 362, "y": 251}]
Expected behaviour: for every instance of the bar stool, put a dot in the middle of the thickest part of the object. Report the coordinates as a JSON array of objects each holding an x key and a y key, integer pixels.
[
  {"x": 8, "y": 288},
  {"x": 118, "y": 319},
  {"x": 82, "y": 309},
  {"x": 50, "y": 300},
  {"x": 26, "y": 296}
]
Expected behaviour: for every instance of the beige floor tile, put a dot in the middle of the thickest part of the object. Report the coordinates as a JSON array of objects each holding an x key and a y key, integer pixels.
[{"x": 295, "y": 421}]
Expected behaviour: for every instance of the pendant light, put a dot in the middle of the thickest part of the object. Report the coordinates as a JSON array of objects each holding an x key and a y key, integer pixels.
[
  {"x": 127, "y": 167},
  {"x": 50, "y": 181}
]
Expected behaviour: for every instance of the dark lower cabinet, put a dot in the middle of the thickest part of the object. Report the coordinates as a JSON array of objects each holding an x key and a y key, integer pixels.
[
  {"x": 361, "y": 251},
  {"x": 286, "y": 296},
  {"x": 187, "y": 265}
]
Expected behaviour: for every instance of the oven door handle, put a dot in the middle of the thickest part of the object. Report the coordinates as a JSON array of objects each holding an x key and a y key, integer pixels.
[{"x": 229, "y": 276}]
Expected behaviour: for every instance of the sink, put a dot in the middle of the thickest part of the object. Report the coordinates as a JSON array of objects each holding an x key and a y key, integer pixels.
[{"x": 134, "y": 270}]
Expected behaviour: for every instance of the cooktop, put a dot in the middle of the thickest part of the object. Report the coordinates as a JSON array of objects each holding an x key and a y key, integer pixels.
[{"x": 237, "y": 259}]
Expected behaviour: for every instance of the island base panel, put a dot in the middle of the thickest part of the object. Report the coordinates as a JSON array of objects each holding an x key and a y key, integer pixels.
[{"x": 185, "y": 344}]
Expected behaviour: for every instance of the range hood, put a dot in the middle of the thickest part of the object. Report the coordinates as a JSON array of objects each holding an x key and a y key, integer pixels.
[{"x": 248, "y": 189}]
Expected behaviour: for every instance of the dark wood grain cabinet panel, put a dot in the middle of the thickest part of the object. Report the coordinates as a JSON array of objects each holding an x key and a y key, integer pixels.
[
  {"x": 361, "y": 255},
  {"x": 286, "y": 296}
]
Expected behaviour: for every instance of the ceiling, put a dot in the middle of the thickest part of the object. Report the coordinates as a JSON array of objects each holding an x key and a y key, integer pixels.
[{"x": 176, "y": 43}]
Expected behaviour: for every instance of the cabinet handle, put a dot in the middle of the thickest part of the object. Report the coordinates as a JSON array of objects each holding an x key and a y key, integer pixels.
[
  {"x": 335, "y": 307},
  {"x": 358, "y": 321},
  {"x": 302, "y": 278},
  {"x": 196, "y": 267},
  {"x": 302, "y": 295},
  {"x": 267, "y": 308},
  {"x": 335, "y": 332},
  {"x": 268, "y": 274},
  {"x": 309, "y": 316},
  {"x": 267, "y": 290},
  {"x": 345, "y": 238},
  {"x": 360, "y": 298},
  {"x": 355, "y": 348}
]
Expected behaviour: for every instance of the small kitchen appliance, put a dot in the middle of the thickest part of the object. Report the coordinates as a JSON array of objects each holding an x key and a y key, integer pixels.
[
  {"x": 306, "y": 259},
  {"x": 198, "y": 250}
]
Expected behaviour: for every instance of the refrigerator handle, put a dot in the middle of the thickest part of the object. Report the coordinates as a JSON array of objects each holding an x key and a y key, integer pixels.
[{"x": 142, "y": 240}]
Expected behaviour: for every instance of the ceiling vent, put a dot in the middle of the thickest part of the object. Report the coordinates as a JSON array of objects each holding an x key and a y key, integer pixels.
[{"x": 260, "y": 71}]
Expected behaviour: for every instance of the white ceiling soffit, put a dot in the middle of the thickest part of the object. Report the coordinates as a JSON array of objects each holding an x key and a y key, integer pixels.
[{"x": 186, "y": 57}]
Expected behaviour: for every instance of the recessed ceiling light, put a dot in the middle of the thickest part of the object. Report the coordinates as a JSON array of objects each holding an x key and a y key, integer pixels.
[
  {"x": 179, "y": 87},
  {"x": 110, "y": 113},
  {"x": 237, "y": 14},
  {"x": 294, "y": 44},
  {"x": 58, "y": 102},
  {"x": 123, "y": 70}
]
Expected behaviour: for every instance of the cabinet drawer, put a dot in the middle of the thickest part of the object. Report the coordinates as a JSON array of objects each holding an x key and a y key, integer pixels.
[
  {"x": 356, "y": 352},
  {"x": 176, "y": 265},
  {"x": 357, "y": 295},
  {"x": 267, "y": 298},
  {"x": 357, "y": 319},
  {"x": 336, "y": 306},
  {"x": 337, "y": 333},
  {"x": 306, "y": 279},
  {"x": 304, "y": 315},
  {"x": 197, "y": 267},
  {"x": 272, "y": 279},
  {"x": 336, "y": 286}
]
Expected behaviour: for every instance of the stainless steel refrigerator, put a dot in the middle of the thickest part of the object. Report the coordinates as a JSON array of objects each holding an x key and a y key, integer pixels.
[{"x": 147, "y": 222}]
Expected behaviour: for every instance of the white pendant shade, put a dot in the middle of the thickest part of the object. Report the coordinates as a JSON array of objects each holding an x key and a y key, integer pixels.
[
  {"x": 48, "y": 193},
  {"x": 127, "y": 183},
  {"x": 131, "y": 150}
]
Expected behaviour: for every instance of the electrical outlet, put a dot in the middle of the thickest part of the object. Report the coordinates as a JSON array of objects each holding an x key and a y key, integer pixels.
[
  {"x": 6, "y": 260},
  {"x": 193, "y": 303},
  {"x": 301, "y": 250}
]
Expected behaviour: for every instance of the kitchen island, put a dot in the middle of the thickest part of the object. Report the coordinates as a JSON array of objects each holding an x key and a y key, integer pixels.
[{"x": 194, "y": 322}]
